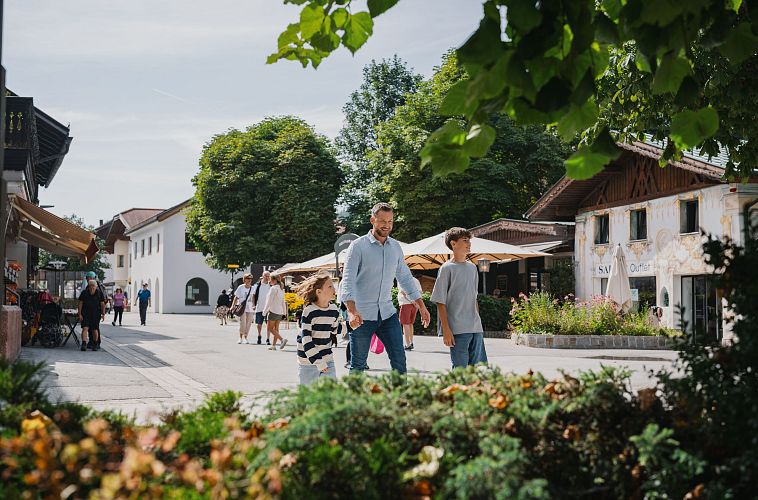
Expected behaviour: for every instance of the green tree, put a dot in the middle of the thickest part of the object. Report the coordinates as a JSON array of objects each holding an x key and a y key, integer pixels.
[
  {"x": 385, "y": 86},
  {"x": 692, "y": 74},
  {"x": 265, "y": 194},
  {"x": 99, "y": 264},
  {"x": 522, "y": 163}
]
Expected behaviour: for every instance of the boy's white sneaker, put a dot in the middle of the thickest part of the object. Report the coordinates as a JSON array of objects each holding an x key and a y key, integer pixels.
[
  {"x": 239, "y": 341},
  {"x": 244, "y": 341}
]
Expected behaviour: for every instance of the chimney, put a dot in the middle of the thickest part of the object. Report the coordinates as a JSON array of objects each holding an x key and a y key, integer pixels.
[{"x": 101, "y": 222}]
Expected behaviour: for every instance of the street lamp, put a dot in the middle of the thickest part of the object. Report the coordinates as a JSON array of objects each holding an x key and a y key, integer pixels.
[
  {"x": 484, "y": 268},
  {"x": 58, "y": 265},
  {"x": 233, "y": 268}
]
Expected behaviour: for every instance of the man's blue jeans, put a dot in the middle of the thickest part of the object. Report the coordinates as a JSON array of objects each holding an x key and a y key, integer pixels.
[{"x": 389, "y": 332}]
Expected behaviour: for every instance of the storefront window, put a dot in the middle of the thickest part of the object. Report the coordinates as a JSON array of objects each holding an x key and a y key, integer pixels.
[
  {"x": 196, "y": 292},
  {"x": 645, "y": 287}
]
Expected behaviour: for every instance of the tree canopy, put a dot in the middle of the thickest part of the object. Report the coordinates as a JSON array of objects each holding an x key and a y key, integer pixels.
[
  {"x": 606, "y": 70},
  {"x": 99, "y": 264},
  {"x": 384, "y": 87},
  {"x": 265, "y": 194},
  {"x": 522, "y": 163}
]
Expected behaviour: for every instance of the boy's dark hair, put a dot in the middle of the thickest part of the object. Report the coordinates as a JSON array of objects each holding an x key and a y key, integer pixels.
[
  {"x": 380, "y": 207},
  {"x": 455, "y": 234}
]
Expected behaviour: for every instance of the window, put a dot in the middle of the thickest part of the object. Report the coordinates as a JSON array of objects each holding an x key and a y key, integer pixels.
[
  {"x": 688, "y": 217},
  {"x": 603, "y": 285},
  {"x": 150, "y": 245},
  {"x": 645, "y": 294},
  {"x": 135, "y": 249},
  {"x": 601, "y": 229},
  {"x": 142, "y": 249},
  {"x": 188, "y": 245},
  {"x": 196, "y": 292},
  {"x": 130, "y": 260},
  {"x": 120, "y": 262},
  {"x": 638, "y": 225},
  {"x": 158, "y": 243}
]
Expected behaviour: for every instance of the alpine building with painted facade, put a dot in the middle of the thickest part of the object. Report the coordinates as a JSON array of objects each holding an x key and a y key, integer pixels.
[{"x": 660, "y": 217}]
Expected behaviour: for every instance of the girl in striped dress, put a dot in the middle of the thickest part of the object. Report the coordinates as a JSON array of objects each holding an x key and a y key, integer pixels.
[{"x": 320, "y": 320}]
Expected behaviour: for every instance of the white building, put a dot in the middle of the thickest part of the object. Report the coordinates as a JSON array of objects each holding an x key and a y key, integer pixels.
[
  {"x": 160, "y": 255},
  {"x": 660, "y": 217}
]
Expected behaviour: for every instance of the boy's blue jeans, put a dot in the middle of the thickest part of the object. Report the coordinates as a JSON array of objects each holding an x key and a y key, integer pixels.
[
  {"x": 389, "y": 332},
  {"x": 309, "y": 374},
  {"x": 468, "y": 350}
]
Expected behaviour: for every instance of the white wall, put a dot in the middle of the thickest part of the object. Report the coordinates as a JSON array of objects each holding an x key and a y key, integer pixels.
[
  {"x": 171, "y": 267},
  {"x": 120, "y": 274},
  {"x": 665, "y": 253}
]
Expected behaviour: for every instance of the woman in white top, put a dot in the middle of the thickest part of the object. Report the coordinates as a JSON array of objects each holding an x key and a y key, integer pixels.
[{"x": 275, "y": 311}]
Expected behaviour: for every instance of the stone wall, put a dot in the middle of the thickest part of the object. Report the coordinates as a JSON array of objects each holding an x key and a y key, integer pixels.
[
  {"x": 10, "y": 332},
  {"x": 593, "y": 341}
]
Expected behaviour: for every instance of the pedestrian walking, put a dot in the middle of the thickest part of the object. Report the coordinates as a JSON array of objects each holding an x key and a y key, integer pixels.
[
  {"x": 260, "y": 295},
  {"x": 243, "y": 304},
  {"x": 320, "y": 321},
  {"x": 408, "y": 312},
  {"x": 455, "y": 293},
  {"x": 91, "y": 310},
  {"x": 373, "y": 262},
  {"x": 275, "y": 311},
  {"x": 119, "y": 301},
  {"x": 143, "y": 299},
  {"x": 223, "y": 302}
]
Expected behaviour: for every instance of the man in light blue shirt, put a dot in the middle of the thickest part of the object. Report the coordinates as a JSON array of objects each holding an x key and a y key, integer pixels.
[{"x": 373, "y": 262}]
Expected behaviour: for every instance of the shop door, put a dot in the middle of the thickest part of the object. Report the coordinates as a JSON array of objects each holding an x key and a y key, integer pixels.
[{"x": 702, "y": 308}]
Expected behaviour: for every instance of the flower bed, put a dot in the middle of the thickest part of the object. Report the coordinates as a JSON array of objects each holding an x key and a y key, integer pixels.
[{"x": 542, "y": 314}]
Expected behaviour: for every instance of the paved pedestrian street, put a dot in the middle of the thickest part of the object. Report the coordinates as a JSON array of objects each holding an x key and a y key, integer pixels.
[{"x": 176, "y": 360}]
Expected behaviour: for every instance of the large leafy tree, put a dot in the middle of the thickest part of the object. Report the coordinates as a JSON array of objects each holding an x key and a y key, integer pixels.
[
  {"x": 99, "y": 264},
  {"x": 384, "y": 87},
  {"x": 684, "y": 71},
  {"x": 265, "y": 194},
  {"x": 522, "y": 163}
]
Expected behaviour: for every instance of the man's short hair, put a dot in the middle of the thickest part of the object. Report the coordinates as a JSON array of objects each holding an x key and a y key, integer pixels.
[
  {"x": 455, "y": 234},
  {"x": 380, "y": 207}
]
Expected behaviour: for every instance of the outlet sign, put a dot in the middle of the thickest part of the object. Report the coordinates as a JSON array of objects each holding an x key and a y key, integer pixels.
[{"x": 632, "y": 268}]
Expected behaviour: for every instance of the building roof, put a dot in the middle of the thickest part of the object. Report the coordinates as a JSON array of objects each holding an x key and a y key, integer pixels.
[
  {"x": 562, "y": 199},
  {"x": 115, "y": 229},
  {"x": 160, "y": 216}
]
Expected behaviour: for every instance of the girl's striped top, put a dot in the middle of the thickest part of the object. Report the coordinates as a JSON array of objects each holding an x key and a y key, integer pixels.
[{"x": 314, "y": 342}]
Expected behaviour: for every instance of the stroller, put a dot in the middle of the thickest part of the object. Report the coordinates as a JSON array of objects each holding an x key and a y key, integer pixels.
[{"x": 50, "y": 333}]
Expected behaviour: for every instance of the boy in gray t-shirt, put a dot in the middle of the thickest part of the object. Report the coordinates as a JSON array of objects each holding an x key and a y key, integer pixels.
[{"x": 455, "y": 293}]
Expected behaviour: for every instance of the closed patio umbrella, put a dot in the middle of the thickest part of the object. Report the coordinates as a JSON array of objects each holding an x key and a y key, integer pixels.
[
  {"x": 431, "y": 252},
  {"x": 618, "y": 288}
]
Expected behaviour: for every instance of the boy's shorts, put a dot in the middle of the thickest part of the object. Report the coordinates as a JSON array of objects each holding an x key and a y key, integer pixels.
[
  {"x": 259, "y": 318},
  {"x": 468, "y": 350}
]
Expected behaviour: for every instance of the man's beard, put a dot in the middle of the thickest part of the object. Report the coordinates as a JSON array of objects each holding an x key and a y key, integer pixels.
[{"x": 383, "y": 232}]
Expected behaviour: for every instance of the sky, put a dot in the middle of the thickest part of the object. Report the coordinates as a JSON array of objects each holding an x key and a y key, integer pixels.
[{"x": 145, "y": 84}]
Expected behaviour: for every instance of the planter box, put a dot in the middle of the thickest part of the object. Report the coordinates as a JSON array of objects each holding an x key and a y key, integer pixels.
[
  {"x": 594, "y": 341},
  {"x": 504, "y": 334}
]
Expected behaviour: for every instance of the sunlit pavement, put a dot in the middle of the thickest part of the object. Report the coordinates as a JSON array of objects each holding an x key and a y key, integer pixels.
[{"x": 176, "y": 360}]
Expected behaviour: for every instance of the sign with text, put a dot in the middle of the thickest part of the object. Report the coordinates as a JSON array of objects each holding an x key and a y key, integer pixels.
[{"x": 632, "y": 268}]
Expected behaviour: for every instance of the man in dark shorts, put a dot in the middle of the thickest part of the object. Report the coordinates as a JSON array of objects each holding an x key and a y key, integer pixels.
[{"x": 91, "y": 313}]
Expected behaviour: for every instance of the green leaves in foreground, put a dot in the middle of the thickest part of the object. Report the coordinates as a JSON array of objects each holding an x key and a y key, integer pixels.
[
  {"x": 690, "y": 128},
  {"x": 321, "y": 29},
  {"x": 549, "y": 63}
]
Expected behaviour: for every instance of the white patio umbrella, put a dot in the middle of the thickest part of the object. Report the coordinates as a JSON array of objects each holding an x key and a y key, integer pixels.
[
  {"x": 319, "y": 263},
  {"x": 618, "y": 288},
  {"x": 431, "y": 252}
]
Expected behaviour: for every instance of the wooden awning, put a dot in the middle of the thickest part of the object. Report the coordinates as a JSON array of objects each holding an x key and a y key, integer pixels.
[{"x": 48, "y": 231}]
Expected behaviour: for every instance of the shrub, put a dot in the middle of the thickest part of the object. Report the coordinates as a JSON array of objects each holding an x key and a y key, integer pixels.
[
  {"x": 294, "y": 303},
  {"x": 542, "y": 313},
  {"x": 494, "y": 311}
]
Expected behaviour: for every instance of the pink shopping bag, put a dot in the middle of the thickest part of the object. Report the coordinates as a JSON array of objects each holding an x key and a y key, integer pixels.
[{"x": 376, "y": 345}]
